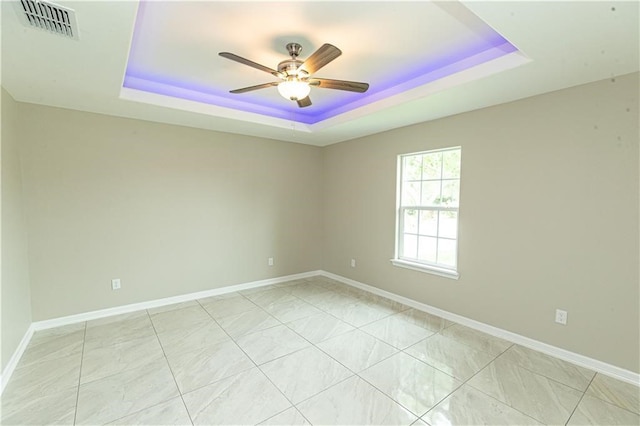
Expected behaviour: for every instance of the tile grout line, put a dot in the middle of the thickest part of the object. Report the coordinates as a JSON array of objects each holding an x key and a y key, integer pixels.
[
  {"x": 532, "y": 371},
  {"x": 323, "y": 390},
  {"x": 418, "y": 359},
  {"x": 84, "y": 338},
  {"x": 613, "y": 404},
  {"x": 418, "y": 416},
  {"x": 354, "y": 373},
  {"x": 580, "y": 400},
  {"x": 354, "y": 328},
  {"x": 288, "y": 408},
  {"x": 463, "y": 382},
  {"x": 336, "y": 290},
  {"x": 466, "y": 382},
  {"x": 295, "y": 405},
  {"x": 170, "y": 370},
  {"x": 116, "y": 372},
  {"x": 359, "y": 328},
  {"x": 473, "y": 347},
  {"x": 341, "y": 319},
  {"x": 161, "y": 348},
  {"x": 314, "y": 345},
  {"x": 248, "y": 357},
  {"x": 230, "y": 339},
  {"x": 401, "y": 351}
]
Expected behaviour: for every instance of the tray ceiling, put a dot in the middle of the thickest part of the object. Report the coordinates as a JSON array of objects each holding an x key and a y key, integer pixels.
[{"x": 424, "y": 60}]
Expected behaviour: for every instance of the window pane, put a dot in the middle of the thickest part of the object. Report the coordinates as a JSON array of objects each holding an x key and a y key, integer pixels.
[
  {"x": 411, "y": 167},
  {"x": 432, "y": 166},
  {"x": 429, "y": 222},
  {"x": 427, "y": 249},
  {"x": 451, "y": 164},
  {"x": 447, "y": 252},
  {"x": 430, "y": 193},
  {"x": 410, "y": 246},
  {"x": 450, "y": 193},
  {"x": 411, "y": 193},
  {"x": 429, "y": 188},
  {"x": 411, "y": 221},
  {"x": 448, "y": 225}
]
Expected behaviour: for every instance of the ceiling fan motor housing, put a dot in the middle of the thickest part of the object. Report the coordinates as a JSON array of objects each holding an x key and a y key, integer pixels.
[
  {"x": 290, "y": 67},
  {"x": 294, "y": 73}
]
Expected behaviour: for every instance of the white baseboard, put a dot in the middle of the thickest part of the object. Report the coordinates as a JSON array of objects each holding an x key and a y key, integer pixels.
[
  {"x": 102, "y": 313},
  {"x": 593, "y": 364},
  {"x": 572, "y": 357},
  {"x": 15, "y": 358}
]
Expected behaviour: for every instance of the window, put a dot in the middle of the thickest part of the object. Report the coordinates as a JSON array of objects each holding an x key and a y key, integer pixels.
[{"x": 427, "y": 215}]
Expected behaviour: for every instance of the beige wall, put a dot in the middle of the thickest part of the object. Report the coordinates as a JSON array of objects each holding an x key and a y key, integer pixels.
[
  {"x": 548, "y": 217},
  {"x": 549, "y": 213},
  {"x": 15, "y": 292},
  {"x": 169, "y": 210}
]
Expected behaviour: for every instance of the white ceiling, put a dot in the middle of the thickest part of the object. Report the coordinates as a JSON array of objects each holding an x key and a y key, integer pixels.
[
  {"x": 175, "y": 45},
  {"x": 561, "y": 44}
]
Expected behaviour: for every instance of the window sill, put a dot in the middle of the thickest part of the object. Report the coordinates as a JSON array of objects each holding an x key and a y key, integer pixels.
[{"x": 434, "y": 270}]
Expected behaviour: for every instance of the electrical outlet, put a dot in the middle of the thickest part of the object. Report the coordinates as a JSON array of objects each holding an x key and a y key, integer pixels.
[
  {"x": 270, "y": 261},
  {"x": 561, "y": 316},
  {"x": 353, "y": 263},
  {"x": 115, "y": 284}
]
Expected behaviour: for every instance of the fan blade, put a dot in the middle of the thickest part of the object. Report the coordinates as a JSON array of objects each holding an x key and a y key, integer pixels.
[
  {"x": 251, "y": 88},
  {"x": 321, "y": 57},
  {"x": 304, "y": 102},
  {"x": 350, "y": 86},
  {"x": 250, "y": 63}
]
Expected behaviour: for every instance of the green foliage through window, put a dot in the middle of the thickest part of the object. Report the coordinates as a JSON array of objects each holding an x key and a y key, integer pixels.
[{"x": 428, "y": 211}]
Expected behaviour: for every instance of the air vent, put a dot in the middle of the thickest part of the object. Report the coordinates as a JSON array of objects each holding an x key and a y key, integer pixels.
[{"x": 49, "y": 17}]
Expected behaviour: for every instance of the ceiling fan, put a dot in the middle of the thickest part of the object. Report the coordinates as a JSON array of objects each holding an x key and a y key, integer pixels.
[{"x": 296, "y": 75}]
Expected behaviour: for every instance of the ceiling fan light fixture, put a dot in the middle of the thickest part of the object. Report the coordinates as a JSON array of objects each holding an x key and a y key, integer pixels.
[
  {"x": 295, "y": 74},
  {"x": 294, "y": 89}
]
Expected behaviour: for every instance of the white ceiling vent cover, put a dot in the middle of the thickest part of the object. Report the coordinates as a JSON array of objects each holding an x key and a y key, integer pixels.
[{"x": 49, "y": 17}]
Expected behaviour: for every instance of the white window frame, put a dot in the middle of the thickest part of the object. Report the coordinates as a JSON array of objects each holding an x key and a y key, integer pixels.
[{"x": 412, "y": 263}]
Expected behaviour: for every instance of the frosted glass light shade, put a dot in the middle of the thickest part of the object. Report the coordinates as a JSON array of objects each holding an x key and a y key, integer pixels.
[{"x": 294, "y": 89}]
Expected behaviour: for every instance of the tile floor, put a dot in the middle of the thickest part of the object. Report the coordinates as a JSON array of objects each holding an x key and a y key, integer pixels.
[{"x": 310, "y": 351}]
